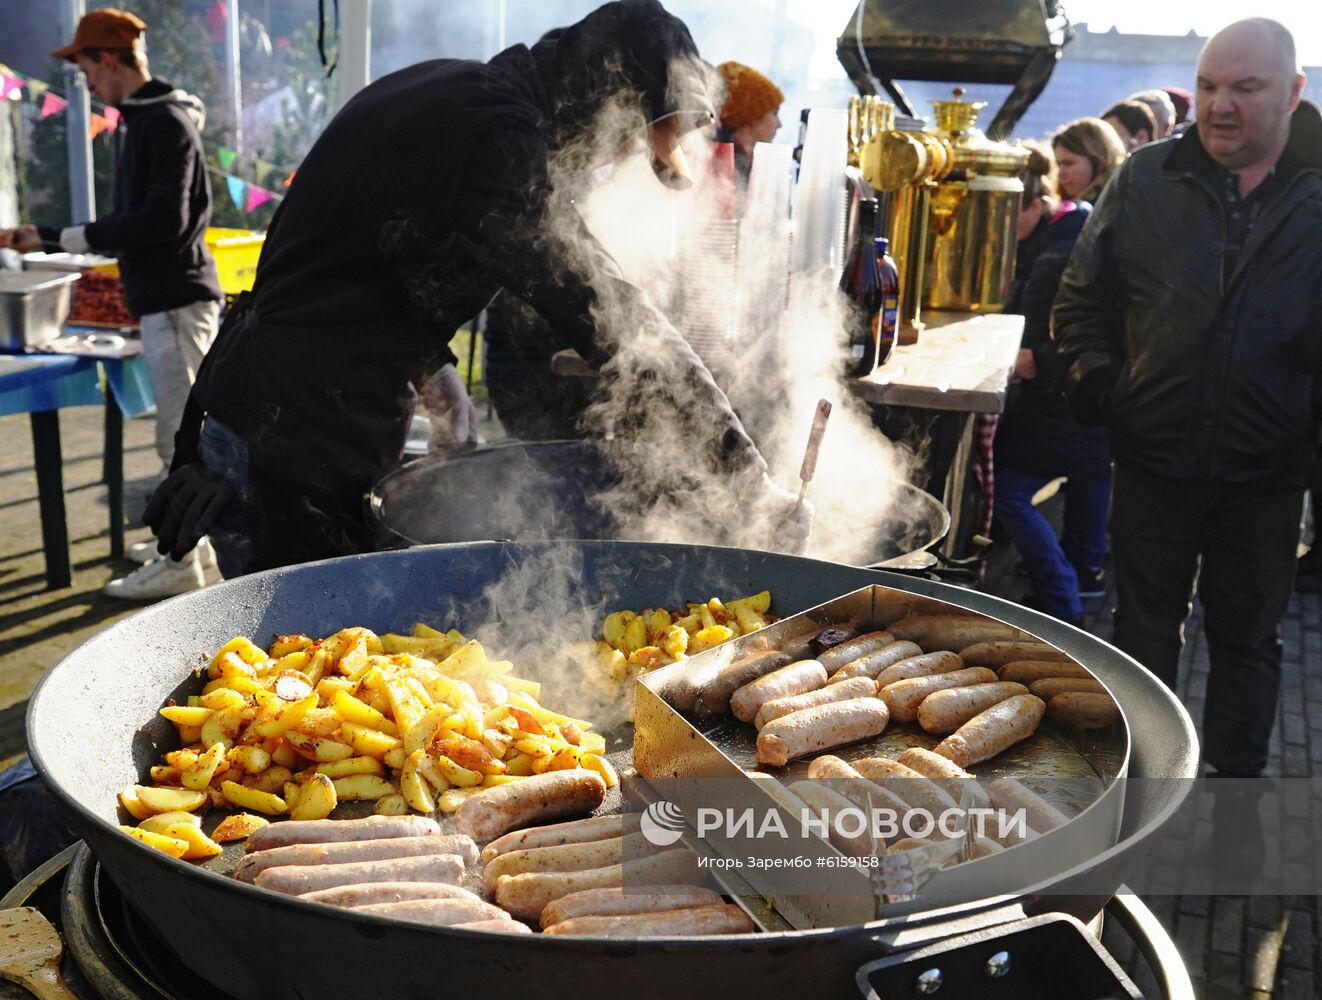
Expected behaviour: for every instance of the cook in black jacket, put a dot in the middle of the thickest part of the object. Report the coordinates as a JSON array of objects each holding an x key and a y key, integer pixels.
[
  {"x": 157, "y": 230},
  {"x": 427, "y": 193},
  {"x": 1190, "y": 322},
  {"x": 1038, "y": 438}
]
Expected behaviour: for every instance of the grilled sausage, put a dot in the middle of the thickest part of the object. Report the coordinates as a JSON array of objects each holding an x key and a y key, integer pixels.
[
  {"x": 716, "y": 693},
  {"x": 503, "y": 926},
  {"x": 1011, "y": 796},
  {"x": 856, "y": 687},
  {"x": 889, "y": 606},
  {"x": 993, "y": 730},
  {"x": 1028, "y": 671},
  {"x": 1083, "y": 710},
  {"x": 982, "y": 848},
  {"x": 914, "y": 789},
  {"x": 954, "y": 631},
  {"x": 437, "y": 912},
  {"x": 618, "y": 903},
  {"x": 553, "y": 795},
  {"x": 820, "y": 728},
  {"x": 252, "y": 865},
  {"x": 945, "y": 773},
  {"x": 837, "y": 656},
  {"x": 526, "y": 895},
  {"x": 576, "y": 831},
  {"x": 565, "y": 858},
  {"x": 904, "y": 697},
  {"x": 326, "y": 831},
  {"x": 865, "y": 794},
  {"x": 797, "y": 678},
  {"x": 1048, "y": 687},
  {"x": 945, "y": 711},
  {"x": 368, "y": 893},
  {"x": 998, "y": 654},
  {"x": 724, "y": 919},
  {"x": 809, "y": 644},
  {"x": 828, "y": 804},
  {"x": 921, "y": 665},
  {"x": 872, "y": 664},
  {"x": 295, "y": 880}
]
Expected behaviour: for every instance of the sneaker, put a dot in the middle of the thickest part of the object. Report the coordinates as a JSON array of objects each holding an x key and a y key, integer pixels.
[
  {"x": 1092, "y": 584},
  {"x": 145, "y": 552},
  {"x": 158, "y": 578}
]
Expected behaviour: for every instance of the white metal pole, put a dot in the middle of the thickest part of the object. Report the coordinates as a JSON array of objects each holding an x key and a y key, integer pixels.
[
  {"x": 78, "y": 123},
  {"x": 233, "y": 75},
  {"x": 355, "y": 47}
]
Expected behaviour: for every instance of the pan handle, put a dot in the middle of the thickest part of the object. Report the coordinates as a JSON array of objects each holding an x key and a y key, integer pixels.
[
  {"x": 1031, "y": 956},
  {"x": 1141, "y": 926}
]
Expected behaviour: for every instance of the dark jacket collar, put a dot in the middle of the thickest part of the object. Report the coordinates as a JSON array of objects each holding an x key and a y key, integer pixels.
[{"x": 1304, "y": 147}]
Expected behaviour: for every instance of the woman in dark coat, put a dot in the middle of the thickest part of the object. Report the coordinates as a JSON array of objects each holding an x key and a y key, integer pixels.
[{"x": 1038, "y": 439}]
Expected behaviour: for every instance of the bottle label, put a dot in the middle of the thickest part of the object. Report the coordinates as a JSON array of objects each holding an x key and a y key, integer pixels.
[{"x": 887, "y": 320}]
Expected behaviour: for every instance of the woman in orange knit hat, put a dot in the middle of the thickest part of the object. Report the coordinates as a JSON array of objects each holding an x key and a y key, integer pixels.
[{"x": 749, "y": 115}]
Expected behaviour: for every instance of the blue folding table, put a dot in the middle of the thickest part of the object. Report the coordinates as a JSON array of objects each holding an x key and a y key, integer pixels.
[{"x": 40, "y": 385}]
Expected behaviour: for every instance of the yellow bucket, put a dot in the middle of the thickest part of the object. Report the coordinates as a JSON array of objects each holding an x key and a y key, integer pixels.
[{"x": 236, "y": 252}]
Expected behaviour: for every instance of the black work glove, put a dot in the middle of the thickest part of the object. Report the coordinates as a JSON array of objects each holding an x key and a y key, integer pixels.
[
  {"x": 1088, "y": 397},
  {"x": 183, "y": 508}
]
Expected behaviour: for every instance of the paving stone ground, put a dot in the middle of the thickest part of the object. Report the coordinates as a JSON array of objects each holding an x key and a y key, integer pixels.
[{"x": 1234, "y": 947}]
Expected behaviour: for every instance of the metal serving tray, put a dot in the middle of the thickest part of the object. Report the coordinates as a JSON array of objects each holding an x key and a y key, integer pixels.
[
  {"x": 33, "y": 307},
  {"x": 670, "y": 745}
]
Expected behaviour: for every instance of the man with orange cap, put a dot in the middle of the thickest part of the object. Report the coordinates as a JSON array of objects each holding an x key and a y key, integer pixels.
[
  {"x": 750, "y": 113},
  {"x": 157, "y": 229}
]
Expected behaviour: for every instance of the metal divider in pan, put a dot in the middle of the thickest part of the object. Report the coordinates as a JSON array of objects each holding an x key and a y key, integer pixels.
[{"x": 1086, "y": 771}]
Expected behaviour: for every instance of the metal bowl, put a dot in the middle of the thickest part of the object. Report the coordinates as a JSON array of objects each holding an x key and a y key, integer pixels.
[{"x": 532, "y": 491}]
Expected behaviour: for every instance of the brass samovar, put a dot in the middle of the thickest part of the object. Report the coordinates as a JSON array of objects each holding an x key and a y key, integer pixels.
[
  {"x": 969, "y": 264},
  {"x": 904, "y": 166}
]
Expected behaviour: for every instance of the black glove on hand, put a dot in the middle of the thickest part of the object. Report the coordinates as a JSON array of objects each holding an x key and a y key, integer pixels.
[{"x": 183, "y": 508}]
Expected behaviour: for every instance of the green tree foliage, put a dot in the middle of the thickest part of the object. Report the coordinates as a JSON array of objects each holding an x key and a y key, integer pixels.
[{"x": 181, "y": 51}]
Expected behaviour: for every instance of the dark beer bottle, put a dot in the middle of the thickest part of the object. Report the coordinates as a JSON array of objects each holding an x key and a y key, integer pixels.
[
  {"x": 890, "y": 300},
  {"x": 861, "y": 283}
]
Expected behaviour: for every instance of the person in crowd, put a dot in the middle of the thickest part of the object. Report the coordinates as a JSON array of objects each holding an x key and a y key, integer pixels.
[
  {"x": 1162, "y": 107},
  {"x": 303, "y": 402},
  {"x": 750, "y": 114},
  {"x": 1087, "y": 151},
  {"x": 1038, "y": 438},
  {"x": 157, "y": 229},
  {"x": 1182, "y": 102},
  {"x": 1133, "y": 123},
  {"x": 1188, "y": 322}
]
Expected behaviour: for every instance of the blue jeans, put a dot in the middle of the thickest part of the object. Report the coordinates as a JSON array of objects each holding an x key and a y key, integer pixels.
[
  {"x": 1054, "y": 564},
  {"x": 225, "y": 453}
]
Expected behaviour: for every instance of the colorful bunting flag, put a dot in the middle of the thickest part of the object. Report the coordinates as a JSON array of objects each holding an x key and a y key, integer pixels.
[
  {"x": 36, "y": 88},
  {"x": 99, "y": 124},
  {"x": 227, "y": 157},
  {"x": 51, "y": 105},
  {"x": 11, "y": 87},
  {"x": 257, "y": 197},
  {"x": 238, "y": 192},
  {"x": 113, "y": 117}
]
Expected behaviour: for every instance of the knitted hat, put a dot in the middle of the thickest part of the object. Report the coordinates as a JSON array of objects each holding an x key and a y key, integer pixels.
[{"x": 748, "y": 95}]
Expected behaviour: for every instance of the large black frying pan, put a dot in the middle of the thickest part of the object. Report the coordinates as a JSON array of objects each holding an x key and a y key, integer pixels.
[{"x": 93, "y": 728}]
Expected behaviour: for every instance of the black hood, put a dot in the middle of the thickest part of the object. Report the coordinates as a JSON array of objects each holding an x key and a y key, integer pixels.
[{"x": 627, "y": 47}]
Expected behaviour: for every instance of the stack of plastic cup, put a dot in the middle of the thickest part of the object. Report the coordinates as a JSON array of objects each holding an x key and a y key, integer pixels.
[
  {"x": 702, "y": 302},
  {"x": 820, "y": 200},
  {"x": 765, "y": 241}
]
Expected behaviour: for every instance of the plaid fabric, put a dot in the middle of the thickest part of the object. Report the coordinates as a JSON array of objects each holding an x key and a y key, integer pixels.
[{"x": 984, "y": 433}]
